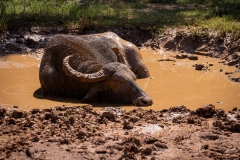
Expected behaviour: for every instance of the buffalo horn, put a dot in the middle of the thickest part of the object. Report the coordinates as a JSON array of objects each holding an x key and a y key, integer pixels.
[{"x": 93, "y": 77}]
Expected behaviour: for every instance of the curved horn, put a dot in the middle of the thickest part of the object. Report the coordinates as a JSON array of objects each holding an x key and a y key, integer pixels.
[{"x": 93, "y": 77}]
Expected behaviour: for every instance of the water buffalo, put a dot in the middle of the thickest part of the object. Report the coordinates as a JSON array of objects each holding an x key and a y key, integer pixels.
[{"x": 93, "y": 67}]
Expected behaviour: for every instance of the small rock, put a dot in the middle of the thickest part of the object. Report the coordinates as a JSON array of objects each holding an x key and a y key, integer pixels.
[
  {"x": 233, "y": 62},
  {"x": 17, "y": 114},
  {"x": 60, "y": 108},
  {"x": 88, "y": 108},
  {"x": 126, "y": 133},
  {"x": 13, "y": 47},
  {"x": 206, "y": 111},
  {"x": 218, "y": 124},
  {"x": 190, "y": 120},
  {"x": 71, "y": 120},
  {"x": 2, "y": 112},
  {"x": 34, "y": 111},
  {"x": 155, "y": 158},
  {"x": 234, "y": 109},
  {"x": 199, "y": 66},
  {"x": 101, "y": 151},
  {"x": 27, "y": 50},
  {"x": 134, "y": 119},
  {"x": 160, "y": 145},
  {"x": 68, "y": 149},
  {"x": 48, "y": 110},
  {"x": 181, "y": 56},
  {"x": 237, "y": 115},
  {"x": 206, "y": 146},
  {"x": 234, "y": 126},
  {"x": 11, "y": 121},
  {"x": 131, "y": 149},
  {"x": 64, "y": 141},
  {"x": 35, "y": 139},
  {"x": 220, "y": 112},
  {"x": 192, "y": 57},
  {"x": 109, "y": 116},
  {"x": 127, "y": 125},
  {"x": 176, "y": 120},
  {"x": 147, "y": 151},
  {"x": 32, "y": 41},
  {"x": 209, "y": 137},
  {"x": 28, "y": 152},
  {"x": 150, "y": 140},
  {"x": 227, "y": 73},
  {"x": 180, "y": 108},
  {"x": 20, "y": 40},
  {"x": 81, "y": 134},
  {"x": 193, "y": 120}
]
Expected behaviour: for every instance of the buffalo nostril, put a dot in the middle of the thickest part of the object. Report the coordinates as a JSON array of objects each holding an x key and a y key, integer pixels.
[{"x": 145, "y": 101}]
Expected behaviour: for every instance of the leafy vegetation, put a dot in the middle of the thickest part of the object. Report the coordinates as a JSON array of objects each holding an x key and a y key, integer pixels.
[{"x": 220, "y": 15}]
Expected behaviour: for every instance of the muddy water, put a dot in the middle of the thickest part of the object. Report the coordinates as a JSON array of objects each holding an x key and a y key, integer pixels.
[
  {"x": 176, "y": 83},
  {"x": 19, "y": 84},
  {"x": 171, "y": 83}
]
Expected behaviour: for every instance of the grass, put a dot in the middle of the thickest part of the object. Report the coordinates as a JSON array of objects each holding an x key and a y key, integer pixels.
[
  {"x": 220, "y": 15},
  {"x": 18, "y": 13}
]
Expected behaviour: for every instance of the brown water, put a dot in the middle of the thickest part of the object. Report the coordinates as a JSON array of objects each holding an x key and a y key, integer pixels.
[
  {"x": 171, "y": 83},
  {"x": 177, "y": 83}
]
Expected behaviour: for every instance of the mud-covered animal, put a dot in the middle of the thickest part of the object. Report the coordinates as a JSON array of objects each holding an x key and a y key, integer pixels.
[{"x": 97, "y": 67}]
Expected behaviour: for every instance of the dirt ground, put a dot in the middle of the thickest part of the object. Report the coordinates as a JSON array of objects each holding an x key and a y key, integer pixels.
[{"x": 83, "y": 133}]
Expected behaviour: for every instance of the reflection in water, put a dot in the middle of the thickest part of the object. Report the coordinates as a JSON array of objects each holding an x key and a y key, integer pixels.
[{"x": 172, "y": 82}]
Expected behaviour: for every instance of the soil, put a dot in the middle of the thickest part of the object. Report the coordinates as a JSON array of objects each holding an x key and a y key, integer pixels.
[{"x": 83, "y": 133}]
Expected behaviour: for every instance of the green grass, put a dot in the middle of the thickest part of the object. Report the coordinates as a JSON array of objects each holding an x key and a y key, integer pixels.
[
  {"x": 220, "y": 15},
  {"x": 18, "y": 13}
]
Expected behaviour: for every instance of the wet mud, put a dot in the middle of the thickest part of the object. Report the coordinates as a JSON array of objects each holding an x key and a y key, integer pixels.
[{"x": 112, "y": 133}]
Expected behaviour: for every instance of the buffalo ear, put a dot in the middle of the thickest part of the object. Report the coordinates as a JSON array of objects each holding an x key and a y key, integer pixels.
[{"x": 93, "y": 94}]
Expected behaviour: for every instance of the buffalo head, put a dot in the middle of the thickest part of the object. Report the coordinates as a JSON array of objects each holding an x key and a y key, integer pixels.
[{"x": 114, "y": 81}]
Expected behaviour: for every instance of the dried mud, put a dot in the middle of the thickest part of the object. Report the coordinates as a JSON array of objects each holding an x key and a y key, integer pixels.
[{"x": 83, "y": 133}]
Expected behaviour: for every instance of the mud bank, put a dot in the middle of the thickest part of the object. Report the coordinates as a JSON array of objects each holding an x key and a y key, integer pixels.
[
  {"x": 199, "y": 42},
  {"x": 26, "y": 40},
  {"x": 83, "y": 133}
]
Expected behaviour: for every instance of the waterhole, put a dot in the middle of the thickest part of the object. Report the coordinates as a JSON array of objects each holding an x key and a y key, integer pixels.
[{"x": 172, "y": 82}]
